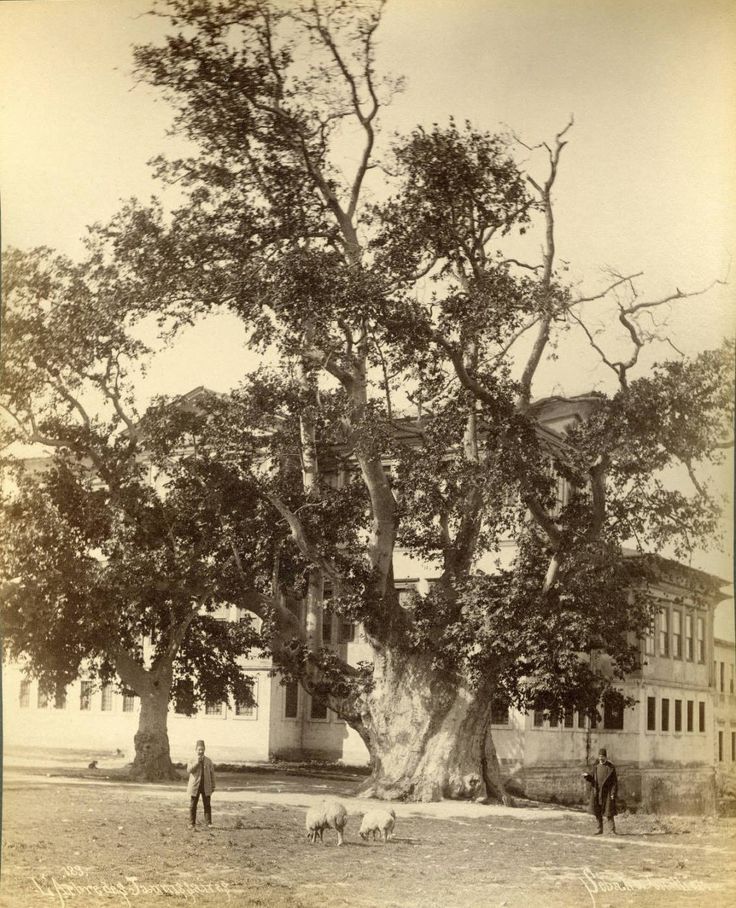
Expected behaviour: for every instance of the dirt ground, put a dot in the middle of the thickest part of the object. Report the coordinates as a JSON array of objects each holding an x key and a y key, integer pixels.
[{"x": 82, "y": 840}]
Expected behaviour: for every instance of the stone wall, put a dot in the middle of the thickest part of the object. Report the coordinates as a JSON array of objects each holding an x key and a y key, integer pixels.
[{"x": 684, "y": 790}]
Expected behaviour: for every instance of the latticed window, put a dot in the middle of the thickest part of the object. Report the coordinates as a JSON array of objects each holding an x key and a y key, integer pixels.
[
  {"x": 651, "y": 713},
  {"x": 613, "y": 712},
  {"x": 214, "y": 709},
  {"x": 319, "y": 708},
  {"x": 689, "y": 640},
  {"x": 499, "y": 711},
  {"x": 85, "y": 695},
  {"x": 128, "y": 702},
  {"x": 347, "y": 631},
  {"x": 677, "y": 634},
  {"x": 248, "y": 710},
  {"x": 650, "y": 641},
  {"x": 25, "y": 694},
  {"x": 60, "y": 698},
  {"x": 106, "y": 698},
  {"x": 291, "y": 700},
  {"x": 700, "y": 639},
  {"x": 664, "y": 632},
  {"x": 328, "y": 621}
]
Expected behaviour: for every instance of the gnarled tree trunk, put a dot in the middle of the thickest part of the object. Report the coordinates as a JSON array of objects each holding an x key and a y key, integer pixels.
[
  {"x": 429, "y": 737},
  {"x": 152, "y": 755}
]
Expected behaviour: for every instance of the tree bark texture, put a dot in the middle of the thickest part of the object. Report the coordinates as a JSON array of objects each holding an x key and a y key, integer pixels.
[
  {"x": 152, "y": 756},
  {"x": 428, "y": 736}
]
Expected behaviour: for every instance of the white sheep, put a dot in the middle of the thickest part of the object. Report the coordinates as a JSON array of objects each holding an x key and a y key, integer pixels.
[
  {"x": 378, "y": 820},
  {"x": 327, "y": 815}
]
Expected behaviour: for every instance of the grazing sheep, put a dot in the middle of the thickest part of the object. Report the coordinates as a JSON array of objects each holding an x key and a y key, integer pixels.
[
  {"x": 327, "y": 815},
  {"x": 379, "y": 820}
]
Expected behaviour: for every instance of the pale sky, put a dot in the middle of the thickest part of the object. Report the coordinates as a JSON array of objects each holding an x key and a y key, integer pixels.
[{"x": 647, "y": 181}]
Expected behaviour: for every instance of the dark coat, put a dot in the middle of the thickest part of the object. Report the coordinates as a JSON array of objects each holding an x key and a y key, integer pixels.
[
  {"x": 207, "y": 773},
  {"x": 602, "y": 800}
]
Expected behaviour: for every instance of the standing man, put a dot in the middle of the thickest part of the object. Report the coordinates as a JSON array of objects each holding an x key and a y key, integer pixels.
[
  {"x": 201, "y": 782},
  {"x": 604, "y": 788}
]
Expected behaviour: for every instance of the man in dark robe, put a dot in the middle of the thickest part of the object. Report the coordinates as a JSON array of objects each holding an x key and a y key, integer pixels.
[{"x": 603, "y": 790}]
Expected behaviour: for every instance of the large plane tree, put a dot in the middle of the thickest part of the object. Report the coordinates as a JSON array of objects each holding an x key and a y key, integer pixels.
[
  {"x": 415, "y": 286},
  {"x": 418, "y": 289},
  {"x": 111, "y": 520}
]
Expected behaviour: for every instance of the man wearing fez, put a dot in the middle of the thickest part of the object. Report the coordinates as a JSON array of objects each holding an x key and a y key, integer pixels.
[
  {"x": 201, "y": 782},
  {"x": 604, "y": 788}
]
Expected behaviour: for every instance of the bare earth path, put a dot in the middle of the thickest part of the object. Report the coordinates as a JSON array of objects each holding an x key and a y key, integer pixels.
[{"x": 81, "y": 842}]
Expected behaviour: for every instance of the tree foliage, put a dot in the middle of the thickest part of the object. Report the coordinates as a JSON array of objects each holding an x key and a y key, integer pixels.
[
  {"x": 110, "y": 538},
  {"x": 373, "y": 294}
]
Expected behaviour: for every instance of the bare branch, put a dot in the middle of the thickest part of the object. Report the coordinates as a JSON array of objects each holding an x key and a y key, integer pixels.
[
  {"x": 522, "y": 264},
  {"x": 545, "y": 193}
]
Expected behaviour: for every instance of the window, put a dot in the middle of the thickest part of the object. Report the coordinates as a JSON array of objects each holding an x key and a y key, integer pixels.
[
  {"x": 319, "y": 708},
  {"x": 107, "y": 697},
  {"x": 690, "y": 715},
  {"x": 651, "y": 713},
  {"x": 60, "y": 698},
  {"x": 722, "y": 676},
  {"x": 581, "y": 719},
  {"x": 291, "y": 700},
  {"x": 733, "y": 746},
  {"x": 613, "y": 712},
  {"x": 406, "y": 590},
  {"x": 246, "y": 710},
  {"x": 347, "y": 631},
  {"x": 700, "y": 639},
  {"x": 327, "y": 625},
  {"x": 720, "y": 747},
  {"x": 689, "y": 641},
  {"x": 538, "y": 718},
  {"x": 568, "y": 720},
  {"x": 184, "y": 702},
  {"x": 678, "y": 715},
  {"x": 664, "y": 632},
  {"x": 42, "y": 699},
  {"x": 665, "y": 721},
  {"x": 128, "y": 702},
  {"x": 499, "y": 710},
  {"x": 214, "y": 709},
  {"x": 677, "y": 634},
  {"x": 85, "y": 695},
  {"x": 701, "y": 716},
  {"x": 553, "y": 720},
  {"x": 730, "y": 678},
  {"x": 650, "y": 641},
  {"x": 25, "y": 693}
]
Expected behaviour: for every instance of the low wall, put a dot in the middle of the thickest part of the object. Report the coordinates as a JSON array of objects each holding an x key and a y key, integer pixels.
[{"x": 684, "y": 790}]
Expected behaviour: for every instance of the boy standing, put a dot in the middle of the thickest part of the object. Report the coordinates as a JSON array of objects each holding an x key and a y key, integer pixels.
[{"x": 201, "y": 782}]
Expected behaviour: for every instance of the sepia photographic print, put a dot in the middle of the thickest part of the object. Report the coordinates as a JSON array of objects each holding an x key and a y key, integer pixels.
[{"x": 366, "y": 433}]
